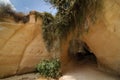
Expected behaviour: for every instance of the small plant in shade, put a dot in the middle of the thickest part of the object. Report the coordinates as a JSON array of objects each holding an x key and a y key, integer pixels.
[{"x": 49, "y": 68}]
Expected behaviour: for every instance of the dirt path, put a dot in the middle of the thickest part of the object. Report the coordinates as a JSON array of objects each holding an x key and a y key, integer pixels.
[{"x": 85, "y": 71}]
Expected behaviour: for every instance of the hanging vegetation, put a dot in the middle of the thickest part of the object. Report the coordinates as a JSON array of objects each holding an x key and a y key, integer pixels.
[
  {"x": 71, "y": 14},
  {"x": 48, "y": 30}
]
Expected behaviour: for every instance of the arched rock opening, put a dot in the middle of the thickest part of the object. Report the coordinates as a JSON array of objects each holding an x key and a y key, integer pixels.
[{"x": 78, "y": 51}]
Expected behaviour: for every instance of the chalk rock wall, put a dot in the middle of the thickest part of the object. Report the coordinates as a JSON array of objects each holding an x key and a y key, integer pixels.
[
  {"x": 21, "y": 48},
  {"x": 103, "y": 37}
]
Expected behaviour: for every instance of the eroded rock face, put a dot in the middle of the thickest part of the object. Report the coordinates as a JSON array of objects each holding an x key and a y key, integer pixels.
[
  {"x": 103, "y": 37},
  {"x": 21, "y": 48}
]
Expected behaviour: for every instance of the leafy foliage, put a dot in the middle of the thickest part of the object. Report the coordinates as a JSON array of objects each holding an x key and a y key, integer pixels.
[
  {"x": 5, "y": 10},
  {"x": 19, "y": 16},
  {"x": 48, "y": 30},
  {"x": 49, "y": 68},
  {"x": 71, "y": 14},
  {"x": 47, "y": 19}
]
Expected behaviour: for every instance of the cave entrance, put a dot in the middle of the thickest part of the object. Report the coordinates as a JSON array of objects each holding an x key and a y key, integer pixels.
[
  {"x": 89, "y": 56},
  {"x": 79, "y": 51}
]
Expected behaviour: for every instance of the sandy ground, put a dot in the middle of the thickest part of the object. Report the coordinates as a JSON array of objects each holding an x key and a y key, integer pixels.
[
  {"x": 30, "y": 76},
  {"x": 84, "y": 70}
]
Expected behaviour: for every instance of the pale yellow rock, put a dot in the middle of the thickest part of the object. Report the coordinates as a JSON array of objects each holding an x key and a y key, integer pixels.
[
  {"x": 22, "y": 45},
  {"x": 34, "y": 53},
  {"x": 21, "y": 48},
  {"x": 103, "y": 37},
  {"x": 32, "y": 17},
  {"x": 6, "y": 31},
  {"x": 12, "y": 51}
]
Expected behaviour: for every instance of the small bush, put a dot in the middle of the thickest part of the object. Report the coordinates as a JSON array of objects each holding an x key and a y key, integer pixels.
[{"x": 49, "y": 68}]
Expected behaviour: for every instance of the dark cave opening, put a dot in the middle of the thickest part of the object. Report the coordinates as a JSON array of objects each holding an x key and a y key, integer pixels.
[
  {"x": 79, "y": 51},
  {"x": 85, "y": 56}
]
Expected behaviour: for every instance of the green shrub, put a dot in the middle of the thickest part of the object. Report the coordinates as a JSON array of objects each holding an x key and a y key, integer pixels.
[{"x": 49, "y": 68}]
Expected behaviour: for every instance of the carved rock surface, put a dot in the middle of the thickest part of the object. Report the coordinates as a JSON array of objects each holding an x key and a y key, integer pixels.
[{"x": 21, "y": 48}]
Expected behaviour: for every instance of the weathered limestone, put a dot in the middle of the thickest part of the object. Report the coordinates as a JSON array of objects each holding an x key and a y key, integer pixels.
[
  {"x": 32, "y": 17},
  {"x": 34, "y": 53},
  {"x": 65, "y": 44},
  {"x": 103, "y": 37},
  {"x": 21, "y": 47}
]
